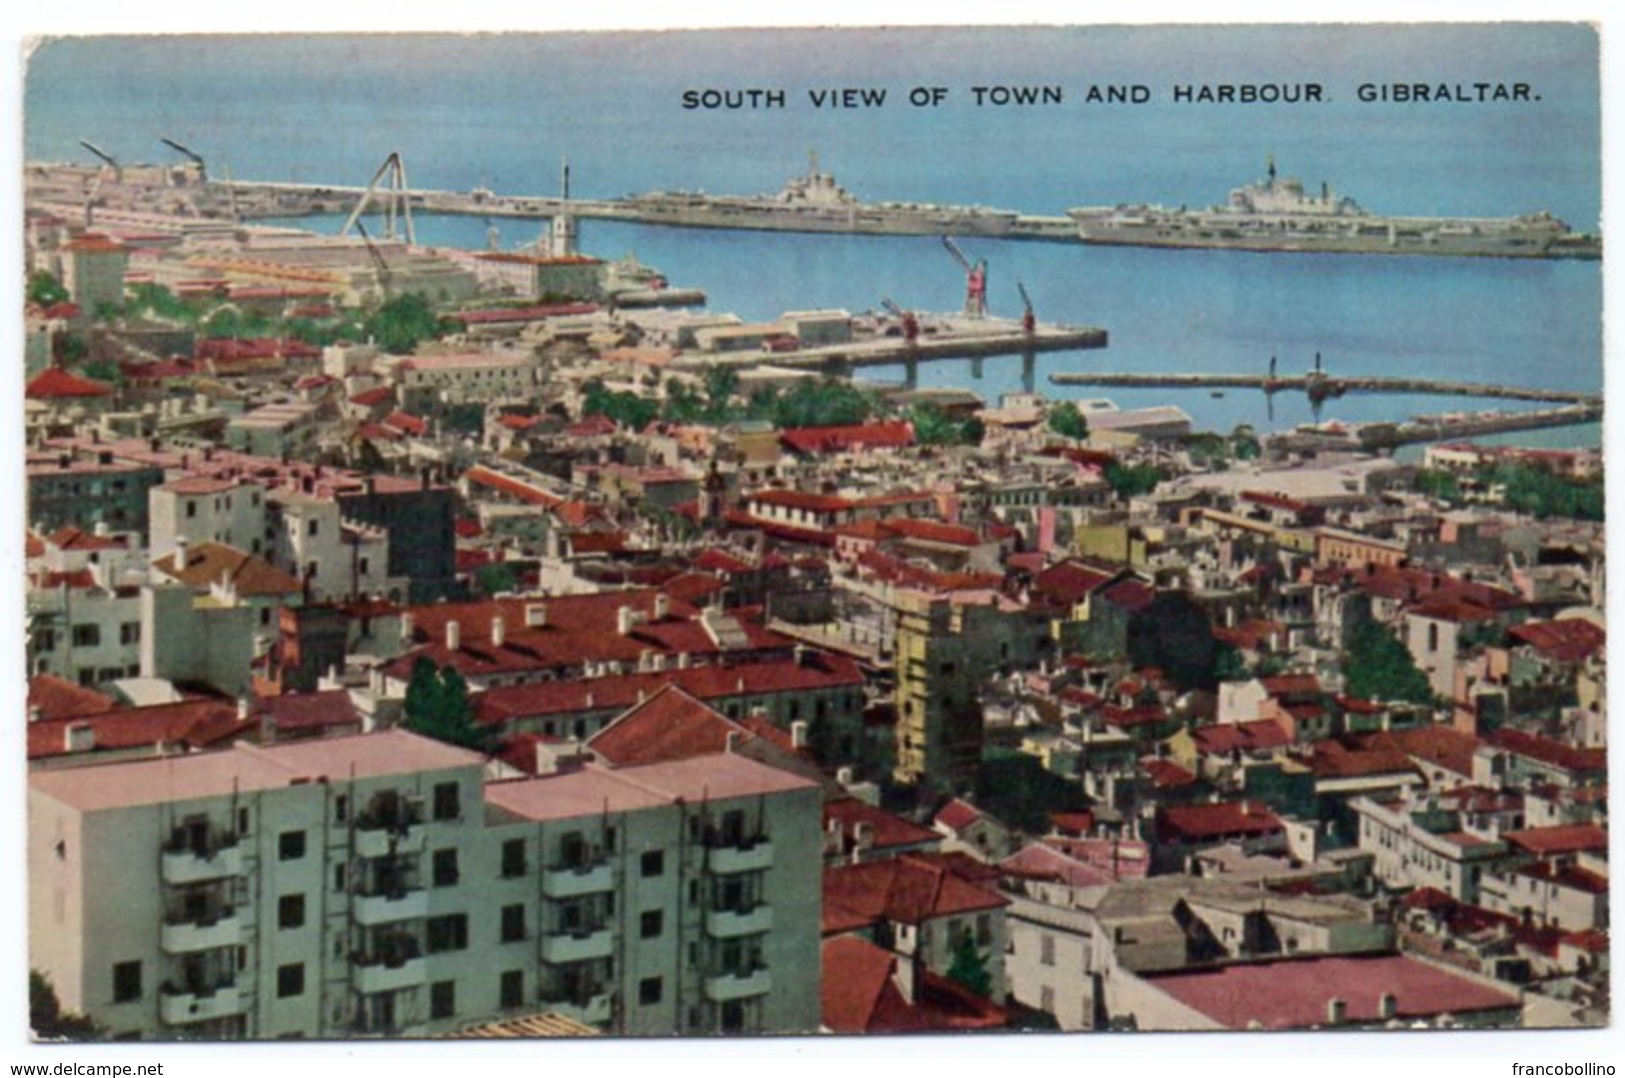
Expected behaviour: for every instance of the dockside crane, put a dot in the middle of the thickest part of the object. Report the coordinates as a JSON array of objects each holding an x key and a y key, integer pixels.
[
  {"x": 397, "y": 200},
  {"x": 112, "y": 162},
  {"x": 1029, "y": 321},
  {"x": 378, "y": 261},
  {"x": 202, "y": 169},
  {"x": 909, "y": 321},
  {"x": 975, "y": 279}
]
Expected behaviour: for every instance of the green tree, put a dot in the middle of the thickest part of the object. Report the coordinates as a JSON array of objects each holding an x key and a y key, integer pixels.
[
  {"x": 969, "y": 966},
  {"x": 1173, "y": 634},
  {"x": 1132, "y": 480},
  {"x": 683, "y": 404},
  {"x": 1228, "y": 665},
  {"x": 721, "y": 383},
  {"x": 934, "y": 426},
  {"x": 626, "y": 409},
  {"x": 1244, "y": 442},
  {"x": 45, "y": 290},
  {"x": 104, "y": 370},
  {"x": 1068, "y": 421},
  {"x": 1438, "y": 484},
  {"x": 47, "y": 1018},
  {"x": 1377, "y": 666},
  {"x": 158, "y": 301},
  {"x": 827, "y": 403},
  {"x": 404, "y": 322},
  {"x": 437, "y": 706},
  {"x": 495, "y": 577}
]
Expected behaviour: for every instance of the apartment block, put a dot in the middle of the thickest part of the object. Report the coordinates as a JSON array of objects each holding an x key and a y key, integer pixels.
[{"x": 376, "y": 885}]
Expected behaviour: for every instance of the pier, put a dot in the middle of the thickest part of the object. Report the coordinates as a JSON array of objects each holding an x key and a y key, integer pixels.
[{"x": 1322, "y": 387}]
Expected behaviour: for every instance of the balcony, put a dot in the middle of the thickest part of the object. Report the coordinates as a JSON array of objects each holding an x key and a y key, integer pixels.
[
  {"x": 589, "y": 879},
  {"x": 563, "y": 947},
  {"x": 731, "y": 986},
  {"x": 385, "y": 842},
  {"x": 726, "y": 924},
  {"x": 384, "y": 977},
  {"x": 189, "y": 864},
  {"x": 593, "y": 1010},
  {"x": 179, "y": 1008},
  {"x": 385, "y": 908},
  {"x": 747, "y": 856},
  {"x": 180, "y": 937}
]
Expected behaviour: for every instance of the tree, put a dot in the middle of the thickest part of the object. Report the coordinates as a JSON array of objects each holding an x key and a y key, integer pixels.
[
  {"x": 47, "y": 1018},
  {"x": 45, "y": 289},
  {"x": 1066, "y": 420},
  {"x": 934, "y": 426},
  {"x": 1228, "y": 664},
  {"x": 437, "y": 706},
  {"x": 721, "y": 383},
  {"x": 1172, "y": 633},
  {"x": 969, "y": 966},
  {"x": 403, "y": 322},
  {"x": 496, "y": 577},
  {"x": 1378, "y": 667},
  {"x": 1132, "y": 480}
]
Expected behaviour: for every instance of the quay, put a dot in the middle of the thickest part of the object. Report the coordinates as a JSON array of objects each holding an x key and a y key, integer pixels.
[
  {"x": 1378, "y": 437},
  {"x": 1321, "y": 387}
]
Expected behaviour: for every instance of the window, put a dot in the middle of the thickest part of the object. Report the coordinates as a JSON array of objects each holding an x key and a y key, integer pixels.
[
  {"x": 984, "y": 929},
  {"x": 191, "y": 510},
  {"x": 649, "y": 990},
  {"x": 291, "y": 846},
  {"x": 341, "y": 808},
  {"x": 310, "y": 527},
  {"x": 448, "y": 932},
  {"x": 512, "y": 991},
  {"x": 445, "y": 868},
  {"x": 338, "y": 877},
  {"x": 126, "y": 981},
  {"x": 442, "y": 999},
  {"x": 653, "y": 863},
  {"x": 513, "y": 858},
  {"x": 290, "y": 911},
  {"x": 129, "y": 633},
  {"x": 513, "y": 924},
  {"x": 650, "y": 924},
  {"x": 290, "y": 980},
  {"x": 1046, "y": 950},
  {"x": 447, "y": 803},
  {"x": 87, "y": 636}
]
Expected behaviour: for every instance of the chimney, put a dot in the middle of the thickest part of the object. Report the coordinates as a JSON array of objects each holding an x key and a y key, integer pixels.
[
  {"x": 733, "y": 741},
  {"x": 798, "y": 734},
  {"x": 180, "y": 552},
  {"x": 535, "y": 615},
  {"x": 844, "y": 776},
  {"x": 499, "y": 631},
  {"x": 625, "y": 620},
  {"x": 408, "y": 627},
  {"x": 802, "y": 653},
  {"x": 34, "y": 713},
  {"x": 79, "y": 737},
  {"x": 454, "y": 636},
  {"x": 242, "y": 708},
  {"x": 662, "y": 606},
  {"x": 1337, "y": 1011},
  {"x": 682, "y": 660},
  {"x": 1387, "y": 1005}
]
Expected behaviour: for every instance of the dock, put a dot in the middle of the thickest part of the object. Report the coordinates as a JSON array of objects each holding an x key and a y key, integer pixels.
[{"x": 1322, "y": 387}]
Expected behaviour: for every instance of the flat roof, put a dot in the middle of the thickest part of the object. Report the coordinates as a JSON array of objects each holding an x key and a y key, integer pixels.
[
  {"x": 247, "y": 768},
  {"x": 594, "y": 789}
]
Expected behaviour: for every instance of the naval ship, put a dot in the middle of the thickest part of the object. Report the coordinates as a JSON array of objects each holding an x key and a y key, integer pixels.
[
  {"x": 816, "y": 203},
  {"x": 1276, "y": 214}
]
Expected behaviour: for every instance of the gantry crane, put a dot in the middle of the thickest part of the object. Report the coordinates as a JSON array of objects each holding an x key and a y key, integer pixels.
[
  {"x": 202, "y": 169},
  {"x": 397, "y": 203},
  {"x": 1029, "y": 321},
  {"x": 975, "y": 279},
  {"x": 909, "y": 321}
]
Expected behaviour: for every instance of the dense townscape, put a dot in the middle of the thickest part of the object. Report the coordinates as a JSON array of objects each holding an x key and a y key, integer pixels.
[{"x": 438, "y": 642}]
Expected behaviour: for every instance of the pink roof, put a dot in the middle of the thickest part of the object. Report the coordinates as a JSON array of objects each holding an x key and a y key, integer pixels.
[
  {"x": 1043, "y": 862},
  {"x": 887, "y": 828},
  {"x": 957, "y": 815},
  {"x": 594, "y": 790},
  {"x": 904, "y": 889},
  {"x": 1295, "y": 994}
]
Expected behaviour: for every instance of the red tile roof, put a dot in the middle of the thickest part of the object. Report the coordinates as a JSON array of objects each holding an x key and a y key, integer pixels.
[
  {"x": 1559, "y": 839},
  {"x": 1332, "y": 759},
  {"x": 816, "y": 440},
  {"x": 1441, "y": 745},
  {"x": 193, "y": 723},
  {"x": 799, "y": 499},
  {"x": 207, "y": 563},
  {"x": 905, "y": 889},
  {"x": 1257, "y": 735},
  {"x": 957, "y": 815},
  {"x": 511, "y": 485},
  {"x": 861, "y": 995},
  {"x": 886, "y": 830},
  {"x": 1044, "y": 862},
  {"x": 1198, "y": 823},
  {"x": 670, "y": 725},
  {"x": 1547, "y": 751},
  {"x": 1566, "y": 640},
  {"x": 58, "y": 698},
  {"x": 931, "y": 531},
  {"x": 1295, "y": 994},
  {"x": 54, "y": 383}
]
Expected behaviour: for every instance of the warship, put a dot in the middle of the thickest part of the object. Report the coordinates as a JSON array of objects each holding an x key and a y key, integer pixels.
[
  {"x": 1277, "y": 214},
  {"x": 816, "y": 203}
]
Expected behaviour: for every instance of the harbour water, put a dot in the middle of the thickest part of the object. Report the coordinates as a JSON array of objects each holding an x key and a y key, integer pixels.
[{"x": 504, "y": 112}]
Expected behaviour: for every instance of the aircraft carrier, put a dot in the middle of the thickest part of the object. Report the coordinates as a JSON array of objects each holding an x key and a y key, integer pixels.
[{"x": 1276, "y": 214}]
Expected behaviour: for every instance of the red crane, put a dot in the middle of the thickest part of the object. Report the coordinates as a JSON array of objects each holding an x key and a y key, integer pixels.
[
  {"x": 975, "y": 279},
  {"x": 907, "y": 319},
  {"x": 1029, "y": 321}
]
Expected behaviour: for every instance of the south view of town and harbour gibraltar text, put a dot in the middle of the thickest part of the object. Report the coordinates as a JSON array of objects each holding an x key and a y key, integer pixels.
[{"x": 1090, "y": 528}]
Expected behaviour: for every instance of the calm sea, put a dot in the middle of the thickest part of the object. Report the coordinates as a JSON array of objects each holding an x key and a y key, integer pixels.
[{"x": 505, "y": 111}]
